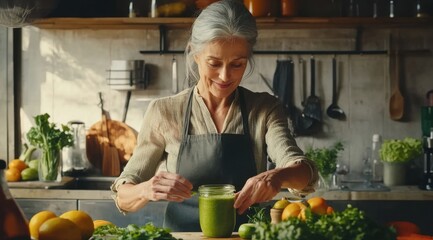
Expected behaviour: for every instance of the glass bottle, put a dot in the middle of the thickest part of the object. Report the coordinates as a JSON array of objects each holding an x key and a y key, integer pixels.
[
  {"x": 13, "y": 224},
  {"x": 216, "y": 210},
  {"x": 377, "y": 165}
]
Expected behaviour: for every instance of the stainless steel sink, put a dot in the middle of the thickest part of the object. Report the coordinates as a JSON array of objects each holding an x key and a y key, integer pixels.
[{"x": 92, "y": 183}]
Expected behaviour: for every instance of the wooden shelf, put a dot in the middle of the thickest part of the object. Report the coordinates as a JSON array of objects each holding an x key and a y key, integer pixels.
[{"x": 262, "y": 23}]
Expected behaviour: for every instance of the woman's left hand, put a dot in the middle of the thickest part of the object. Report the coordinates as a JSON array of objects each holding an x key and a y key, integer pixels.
[{"x": 260, "y": 188}]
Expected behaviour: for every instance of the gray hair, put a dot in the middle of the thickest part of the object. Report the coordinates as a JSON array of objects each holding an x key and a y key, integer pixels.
[{"x": 222, "y": 19}]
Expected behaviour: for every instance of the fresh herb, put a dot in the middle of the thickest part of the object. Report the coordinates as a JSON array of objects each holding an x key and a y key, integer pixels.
[
  {"x": 402, "y": 151},
  {"x": 132, "y": 232},
  {"x": 259, "y": 214},
  {"x": 348, "y": 224},
  {"x": 325, "y": 158},
  {"x": 46, "y": 135},
  {"x": 50, "y": 140}
]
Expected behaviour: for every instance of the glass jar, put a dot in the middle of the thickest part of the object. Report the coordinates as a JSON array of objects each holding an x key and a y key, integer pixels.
[
  {"x": 289, "y": 8},
  {"x": 216, "y": 209},
  {"x": 167, "y": 8},
  {"x": 259, "y": 8}
]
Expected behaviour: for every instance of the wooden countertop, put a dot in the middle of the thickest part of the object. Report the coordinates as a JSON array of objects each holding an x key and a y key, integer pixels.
[
  {"x": 199, "y": 235},
  {"x": 410, "y": 193}
]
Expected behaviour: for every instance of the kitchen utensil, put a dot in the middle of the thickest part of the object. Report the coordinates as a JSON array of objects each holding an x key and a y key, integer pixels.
[
  {"x": 121, "y": 136},
  {"x": 125, "y": 110},
  {"x": 110, "y": 155},
  {"x": 174, "y": 75},
  {"x": 312, "y": 105},
  {"x": 334, "y": 111},
  {"x": 396, "y": 103}
]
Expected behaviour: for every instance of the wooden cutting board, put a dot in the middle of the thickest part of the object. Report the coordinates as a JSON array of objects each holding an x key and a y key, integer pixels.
[{"x": 122, "y": 137}]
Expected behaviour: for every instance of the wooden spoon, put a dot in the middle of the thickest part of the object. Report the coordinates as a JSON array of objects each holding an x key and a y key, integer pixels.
[{"x": 396, "y": 103}]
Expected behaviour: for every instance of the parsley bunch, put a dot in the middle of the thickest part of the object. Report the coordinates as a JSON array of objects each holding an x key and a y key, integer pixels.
[
  {"x": 132, "y": 232},
  {"x": 350, "y": 224},
  {"x": 325, "y": 158}
]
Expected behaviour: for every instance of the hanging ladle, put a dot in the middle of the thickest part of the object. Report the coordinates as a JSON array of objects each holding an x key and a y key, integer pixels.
[{"x": 334, "y": 111}]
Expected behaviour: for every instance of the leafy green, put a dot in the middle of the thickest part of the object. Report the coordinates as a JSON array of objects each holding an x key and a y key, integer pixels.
[
  {"x": 46, "y": 135},
  {"x": 402, "y": 151},
  {"x": 350, "y": 224},
  {"x": 132, "y": 232},
  {"x": 259, "y": 214},
  {"x": 325, "y": 158},
  {"x": 50, "y": 140}
]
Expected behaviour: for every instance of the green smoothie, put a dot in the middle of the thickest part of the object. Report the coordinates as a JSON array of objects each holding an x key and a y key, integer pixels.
[{"x": 217, "y": 215}]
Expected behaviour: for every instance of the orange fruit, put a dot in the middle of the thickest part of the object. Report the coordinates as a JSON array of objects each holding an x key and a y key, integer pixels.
[
  {"x": 291, "y": 210},
  {"x": 18, "y": 164},
  {"x": 59, "y": 228},
  {"x": 13, "y": 175},
  {"x": 82, "y": 220},
  {"x": 318, "y": 205},
  {"x": 98, "y": 223},
  {"x": 329, "y": 210},
  {"x": 404, "y": 228},
  {"x": 37, "y": 220}
]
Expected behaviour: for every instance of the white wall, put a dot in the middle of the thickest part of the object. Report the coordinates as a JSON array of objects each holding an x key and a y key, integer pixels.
[{"x": 63, "y": 71}]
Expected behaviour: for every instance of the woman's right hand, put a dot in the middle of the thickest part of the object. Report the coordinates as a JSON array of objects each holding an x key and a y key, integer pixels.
[{"x": 166, "y": 186}]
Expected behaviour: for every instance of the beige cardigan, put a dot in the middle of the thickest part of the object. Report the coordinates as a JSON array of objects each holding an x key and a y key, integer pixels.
[{"x": 161, "y": 132}]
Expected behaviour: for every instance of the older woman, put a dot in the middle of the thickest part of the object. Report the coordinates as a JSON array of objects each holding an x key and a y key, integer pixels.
[{"x": 214, "y": 132}]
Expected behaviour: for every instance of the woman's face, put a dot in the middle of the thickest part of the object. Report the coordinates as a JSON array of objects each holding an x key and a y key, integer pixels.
[{"x": 221, "y": 65}]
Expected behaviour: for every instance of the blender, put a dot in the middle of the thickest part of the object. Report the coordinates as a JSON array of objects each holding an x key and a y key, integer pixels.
[{"x": 75, "y": 162}]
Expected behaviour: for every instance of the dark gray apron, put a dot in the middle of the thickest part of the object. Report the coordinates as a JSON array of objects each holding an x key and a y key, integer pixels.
[{"x": 210, "y": 159}]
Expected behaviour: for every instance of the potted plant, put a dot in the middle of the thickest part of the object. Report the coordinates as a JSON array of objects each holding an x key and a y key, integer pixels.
[
  {"x": 396, "y": 154},
  {"x": 326, "y": 162}
]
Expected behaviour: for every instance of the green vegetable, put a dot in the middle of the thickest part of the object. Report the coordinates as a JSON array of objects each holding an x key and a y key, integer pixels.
[
  {"x": 46, "y": 135},
  {"x": 401, "y": 151},
  {"x": 350, "y": 224},
  {"x": 50, "y": 140},
  {"x": 132, "y": 232},
  {"x": 325, "y": 158},
  {"x": 259, "y": 214},
  {"x": 27, "y": 153}
]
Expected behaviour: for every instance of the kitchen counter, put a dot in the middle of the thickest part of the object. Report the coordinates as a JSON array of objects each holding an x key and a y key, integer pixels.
[{"x": 395, "y": 193}]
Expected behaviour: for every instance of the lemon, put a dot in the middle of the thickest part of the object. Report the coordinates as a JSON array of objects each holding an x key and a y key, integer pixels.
[
  {"x": 246, "y": 230},
  {"x": 281, "y": 204},
  {"x": 59, "y": 228},
  {"x": 82, "y": 220},
  {"x": 37, "y": 220},
  {"x": 98, "y": 223}
]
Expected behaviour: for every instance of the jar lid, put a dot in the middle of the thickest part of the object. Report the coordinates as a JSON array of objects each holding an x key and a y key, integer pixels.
[{"x": 215, "y": 188}]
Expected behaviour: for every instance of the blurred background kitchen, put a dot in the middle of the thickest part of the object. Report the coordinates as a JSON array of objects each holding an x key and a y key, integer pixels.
[{"x": 64, "y": 67}]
